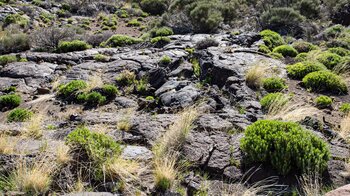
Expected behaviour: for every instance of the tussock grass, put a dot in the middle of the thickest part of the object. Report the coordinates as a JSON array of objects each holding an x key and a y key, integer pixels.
[
  {"x": 94, "y": 81},
  {"x": 33, "y": 129},
  {"x": 125, "y": 170},
  {"x": 292, "y": 111},
  {"x": 165, "y": 151},
  {"x": 345, "y": 128},
  {"x": 310, "y": 185},
  {"x": 63, "y": 154},
  {"x": 277, "y": 105},
  {"x": 8, "y": 144},
  {"x": 255, "y": 75}
]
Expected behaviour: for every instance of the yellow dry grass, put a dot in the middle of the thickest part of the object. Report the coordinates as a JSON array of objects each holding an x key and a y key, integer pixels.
[
  {"x": 125, "y": 170},
  {"x": 63, "y": 154},
  {"x": 311, "y": 185},
  {"x": 255, "y": 75},
  {"x": 165, "y": 170},
  {"x": 33, "y": 128},
  {"x": 292, "y": 111},
  {"x": 8, "y": 144},
  {"x": 93, "y": 82},
  {"x": 345, "y": 128}
]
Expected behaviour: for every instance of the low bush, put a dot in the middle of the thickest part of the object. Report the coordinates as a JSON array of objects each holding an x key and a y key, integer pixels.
[
  {"x": 273, "y": 98},
  {"x": 340, "y": 51},
  {"x": 126, "y": 78},
  {"x": 275, "y": 55},
  {"x": 13, "y": 42},
  {"x": 333, "y": 31},
  {"x": 5, "y": 59},
  {"x": 325, "y": 81},
  {"x": 301, "y": 57},
  {"x": 70, "y": 90},
  {"x": 274, "y": 84},
  {"x": 165, "y": 60},
  {"x": 134, "y": 23},
  {"x": 19, "y": 115},
  {"x": 154, "y": 7},
  {"x": 160, "y": 41},
  {"x": 95, "y": 99},
  {"x": 206, "y": 43},
  {"x": 286, "y": 146},
  {"x": 110, "y": 91},
  {"x": 163, "y": 31},
  {"x": 100, "y": 58},
  {"x": 16, "y": 19},
  {"x": 300, "y": 70},
  {"x": 264, "y": 49},
  {"x": 71, "y": 46},
  {"x": 206, "y": 16},
  {"x": 271, "y": 39},
  {"x": 330, "y": 60},
  {"x": 302, "y": 46},
  {"x": 9, "y": 101},
  {"x": 323, "y": 102},
  {"x": 345, "y": 108},
  {"x": 286, "y": 50},
  {"x": 120, "y": 40}
]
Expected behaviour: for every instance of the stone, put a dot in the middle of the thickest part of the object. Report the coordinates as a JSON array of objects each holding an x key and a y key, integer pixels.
[
  {"x": 341, "y": 191},
  {"x": 136, "y": 153}
]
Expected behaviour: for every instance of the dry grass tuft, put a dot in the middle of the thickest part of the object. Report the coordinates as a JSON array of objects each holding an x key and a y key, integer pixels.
[
  {"x": 125, "y": 170},
  {"x": 63, "y": 154},
  {"x": 255, "y": 75},
  {"x": 33, "y": 128},
  {"x": 165, "y": 171},
  {"x": 311, "y": 185},
  {"x": 8, "y": 144},
  {"x": 292, "y": 111},
  {"x": 124, "y": 125},
  {"x": 345, "y": 128},
  {"x": 94, "y": 81}
]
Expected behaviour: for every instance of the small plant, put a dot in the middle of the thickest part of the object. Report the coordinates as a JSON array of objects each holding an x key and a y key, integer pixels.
[
  {"x": 275, "y": 55},
  {"x": 190, "y": 50},
  {"x": 110, "y": 91},
  {"x": 165, "y": 60},
  {"x": 330, "y": 60},
  {"x": 301, "y": 57},
  {"x": 142, "y": 85},
  {"x": 124, "y": 125},
  {"x": 9, "y": 101},
  {"x": 323, "y": 102},
  {"x": 95, "y": 98},
  {"x": 10, "y": 89},
  {"x": 274, "y": 84},
  {"x": 340, "y": 51},
  {"x": 271, "y": 39},
  {"x": 273, "y": 102},
  {"x": 285, "y": 146},
  {"x": 150, "y": 98},
  {"x": 206, "y": 43},
  {"x": 196, "y": 67},
  {"x": 134, "y": 23},
  {"x": 160, "y": 41},
  {"x": 101, "y": 58},
  {"x": 71, "y": 46},
  {"x": 325, "y": 81},
  {"x": 19, "y": 115},
  {"x": 126, "y": 78},
  {"x": 254, "y": 76},
  {"x": 164, "y": 31},
  {"x": 300, "y": 70},
  {"x": 303, "y": 47},
  {"x": 16, "y": 19},
  {"x": 286, "y": 50},
  {"x": 345, "y": 108},
  {"x": 71, "y": 90},
  {"x": 120, "y": 40},
  {"x": 264, "y": 49},
  {"x": 5, "y": 59}
]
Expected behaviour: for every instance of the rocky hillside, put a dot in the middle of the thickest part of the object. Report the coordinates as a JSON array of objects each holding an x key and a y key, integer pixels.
[{"x": 112, "y": 104}]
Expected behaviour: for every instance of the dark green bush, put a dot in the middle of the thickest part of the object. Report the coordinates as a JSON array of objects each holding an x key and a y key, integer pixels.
[
  {"x": 120, "y": 40},
  {"x": 126, "y": 78},
  {"x": 286, "y": 146},
  {"x": 283, "y": 20},
  {"x": 300, "y": 70},
  {"x": 163, "y": 31},
  {"x": 286, "y": 50},
  {"x": 333, "y": 31},
  {"x": 5, "y": 59},
  {"x": 110, "y": 91},
  {"x": 302, "y": 46},
  {"x": 19, "y": 115},
  {"x": 95, "y": 98},
  {"x": 323, "y": 102},
  {"x": 206, "y": 17},
  {"x": 341, "y": 13},
  {"x": 71, "y": 46},
  {"x": 340, "y": 51},
  {"x": 271, "y": 39},
  {"x": 9, "y": 101},
  {"x": 325, "y": 81},
  {"x": 70, "y": 90},
  {"x": 100, "y": 58},
  {"x": 16, "y": 19},
  {"x": 310, "y": 8},
  {"x": 330, "y": 60},
  {"x": 345, "y": 108},
  {"x": 274, "y": 84},
  {"x": 154, "y": 7}
]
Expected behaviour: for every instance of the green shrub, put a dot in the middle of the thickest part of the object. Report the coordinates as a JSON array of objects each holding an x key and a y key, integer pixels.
[
  {"x": 120, "y": 40},
  {"x": 301, "y": 57},
  {"x": 16, "y": 19},
  {"x": 323, "y": 102},
  {"x": 286, "y": 50},
  {"x": 333, "y": 31},
  {"x": 100, "y": 58},
  {"x": 275, "y": 55},
  {"x": 264, "y": 49},
  {"x": 14, "y": 42},
  {"x": 272, "y": 98},
  {"x": 300, "y": 70},
  {"x": 110, "y": 90},
  {"x": 325, "y": 81},
  {"x": 302, "y": 46},
  {"x": 150, "y": 98},
  {"x": 286, "y": 146},
  {"x": 70, "y": 90},
  {"x": 164, "y": 31},
  {"x": 134, "y": 23},
  {"x": 154, "y": 7},
  {"x": 271, "y": 39},
  {"x": 330, "y": 60},
  {"x": 19, "y": 115},
  {"x": 71, "y": 46},
  {"x": 142, "y": 85},
  {"x": 345, "y": 108},
  {"x": 206, "y": 17},
  {"x": 340, "y": 51},
  {"x": 165, "y": 60},
  {"x": 95, "y": 98},
  {"x": 9, "y": 101},
  {"x": 5, "y": 59},
  {"x": 160, "y": 40},
  {"x": 274, "y": 84},
  {"x": 10, "y": 89},
  {"x": 97, "y": 146},
  {"x": 126, "y": 78}
]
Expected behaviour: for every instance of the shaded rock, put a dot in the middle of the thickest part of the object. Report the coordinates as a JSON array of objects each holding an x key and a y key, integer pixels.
[
  {"x": 212, "y": 123},
  {"x": 125, "y": 102},
  {"x": 156, "y": 77},
  {"x": 184, "y": 70},
  {"x": 342, "y": 191},
  {"x": 28, "y": 69},
  {"x": 136, "y": 153}
]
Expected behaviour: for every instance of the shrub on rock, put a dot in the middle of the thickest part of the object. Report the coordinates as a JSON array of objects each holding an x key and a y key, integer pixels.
[
  {"x": 71, "y": 89},
  {"x": 302, "y": 46},
  {"x": 71, "y": 46},
  {"x": 165, "y": 60},
  {"x": 330, "y": 60},
  {"x": 323, "y": 102},
  {"x": 5, "y": 59},
  {"x": 286, "y": 146},
  {"x": 274, "y": 84},
  {"x": 160, "y": 41},
  {"x": 264, "y": 49},
  {"x": 19, "y": 115},
  {"x": 95, "y": 98},
  {"x": 300, "y": 70},
  {"x": 286, "y": 50},
  {"x": 9, "y": 101},
  {"x": 325, "y": 81},
  {"x": 301, "y": 57},
  {"x": 120, "y": 40},
  {"x": 110, "y": 91},
  {"x": 163, "y": 31},
  {"x": 345, "y": 108},
  {"x": 271, "y": 39},
  {"x": 340, "y": 51}
]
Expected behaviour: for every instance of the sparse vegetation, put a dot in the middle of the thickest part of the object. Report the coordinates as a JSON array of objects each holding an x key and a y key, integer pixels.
[
  {"x": 345, "y": 108},
  {"x": 71, "y": 46},
  {"x": 19, "y": 115},
  {"x": 273, "y": 102},
  {"x": 9, "y": 101},
  {"x": 120, "y": 40},
  {"x": 330, "y": 60}
]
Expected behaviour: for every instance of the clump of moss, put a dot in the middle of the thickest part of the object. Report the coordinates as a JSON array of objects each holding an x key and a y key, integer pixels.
[
  {"x": 323, "y": 102},
  {"x": 325, "y": 81},
  {"x": 300, "y": 70},
  {"x": 286, "y": 50}
]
